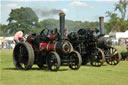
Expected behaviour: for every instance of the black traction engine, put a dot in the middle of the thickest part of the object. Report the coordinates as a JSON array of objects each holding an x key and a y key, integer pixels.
[{"x": 86, "y": 43}]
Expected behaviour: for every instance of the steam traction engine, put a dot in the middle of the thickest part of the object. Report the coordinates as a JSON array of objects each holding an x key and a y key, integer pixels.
[
  {"x": 85, "y": 42},
  {"x": 51, "y": 52},
  {"x": 93, "y": 48},
  {"x": 112, "y": 55}
]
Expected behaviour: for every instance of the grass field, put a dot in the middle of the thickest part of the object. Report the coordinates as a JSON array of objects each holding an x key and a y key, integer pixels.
[{"x": 86, "y": 75}]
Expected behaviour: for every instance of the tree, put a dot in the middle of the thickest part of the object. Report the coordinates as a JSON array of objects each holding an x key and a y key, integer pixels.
[
  {"x": 115, "y": 21},
  {"x": 22, "y": 18},
  {"x": 122, "y": 7},
  {"x": 69, "y": 24},
  {"x": 3, "y": 30},
  {"x": 49, "y": 23}
]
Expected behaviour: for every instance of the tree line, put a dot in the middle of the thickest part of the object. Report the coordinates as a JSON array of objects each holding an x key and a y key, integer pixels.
[
  {"x": 118, "y": 22},
  {"x": 25, "y": 18}
]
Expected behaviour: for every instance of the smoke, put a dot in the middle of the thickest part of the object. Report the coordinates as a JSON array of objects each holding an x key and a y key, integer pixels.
[{"x": 44, "y": 12}]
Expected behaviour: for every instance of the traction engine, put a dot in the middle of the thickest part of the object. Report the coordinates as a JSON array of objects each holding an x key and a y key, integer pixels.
[{"x": 47, "y": 50}]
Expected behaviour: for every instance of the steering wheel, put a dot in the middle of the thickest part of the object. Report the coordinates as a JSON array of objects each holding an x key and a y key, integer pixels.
[
  {"x": 44, "y": 35},
  {"x": 44, "y": 32}
]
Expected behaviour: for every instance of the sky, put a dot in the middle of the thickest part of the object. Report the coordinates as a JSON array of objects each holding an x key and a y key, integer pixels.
[{"x": 76, "y": 10}]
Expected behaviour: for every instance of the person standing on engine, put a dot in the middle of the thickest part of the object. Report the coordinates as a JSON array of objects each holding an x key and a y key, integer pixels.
[
  {"x": 18, "y": 36},
  {"x": 57, "y": 35},
  {"x": 56, "y": 32}
]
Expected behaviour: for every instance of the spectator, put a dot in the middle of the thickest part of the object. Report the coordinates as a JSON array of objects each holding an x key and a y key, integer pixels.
[
  {"x": 18, "y": 36},
  {"x": 56, "y": 31},
  {"x": 65, "y": 32},
  {"x": 52, "y": 35}
]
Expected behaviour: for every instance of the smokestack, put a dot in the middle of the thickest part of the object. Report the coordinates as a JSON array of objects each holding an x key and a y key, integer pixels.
[
  {"x": 62, "y": 24},
  {"x": 101, "y": 19}
]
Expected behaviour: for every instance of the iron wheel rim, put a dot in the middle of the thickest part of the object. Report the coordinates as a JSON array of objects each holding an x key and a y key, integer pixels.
[{"x": 97, "y": 58}]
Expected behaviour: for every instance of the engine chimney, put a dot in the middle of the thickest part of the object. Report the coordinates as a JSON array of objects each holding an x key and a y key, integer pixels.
[
  {"x": 62, "y": 24},
  {"x": 101, "y": 24}
]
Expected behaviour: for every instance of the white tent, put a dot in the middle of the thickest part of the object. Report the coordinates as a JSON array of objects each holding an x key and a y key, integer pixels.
[
  {"x": 8, "y": 38},
  {"x": 10, "y": 41},
  {"x": 119, "y": 35}
]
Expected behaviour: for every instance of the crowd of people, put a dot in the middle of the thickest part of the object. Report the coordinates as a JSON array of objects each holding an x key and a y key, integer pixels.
[{"x": 7, "y": 44}]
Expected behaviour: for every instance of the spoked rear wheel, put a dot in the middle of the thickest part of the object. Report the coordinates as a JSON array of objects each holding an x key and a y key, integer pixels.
[
  {"x": 113, "y": 56},
  {"x": 23, "y": 56},
  {"x": 75, "y": 59},
  {"x": 97, "y": 57},
  {"x": 53, "y": 61}
]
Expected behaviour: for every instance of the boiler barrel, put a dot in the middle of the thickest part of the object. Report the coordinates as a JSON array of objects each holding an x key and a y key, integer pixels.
[
  {"x": 47, "y": 46},
  {"x": 103, "y": 42}
]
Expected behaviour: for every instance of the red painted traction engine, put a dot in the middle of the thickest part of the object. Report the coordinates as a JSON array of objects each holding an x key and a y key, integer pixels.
[{"x": 44, "y": 51}]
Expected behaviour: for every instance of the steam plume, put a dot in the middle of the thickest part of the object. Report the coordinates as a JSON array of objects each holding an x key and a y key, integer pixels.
[{"x": 44, "y": 12}]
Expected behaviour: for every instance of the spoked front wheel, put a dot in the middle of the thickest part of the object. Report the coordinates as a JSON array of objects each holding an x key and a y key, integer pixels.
[
  {"x": 113, "y": 56},
  {"x": 23, "y": 56},
  {"x": 53, "y": 61},
  {"x": 97, "y": 57},
  {"x": 75, "y": 60}
]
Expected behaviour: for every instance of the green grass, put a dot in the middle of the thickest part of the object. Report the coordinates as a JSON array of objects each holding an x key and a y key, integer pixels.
[
  {"x": 121, "y": 48},
  {"x": 86, "y": 75}
]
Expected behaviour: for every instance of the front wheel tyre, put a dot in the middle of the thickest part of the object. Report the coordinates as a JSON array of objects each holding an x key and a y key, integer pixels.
[
  {"x": 75, "y": 60},
  {"x": 53, "y": 61},
  {"x": 97, "y": 57}
]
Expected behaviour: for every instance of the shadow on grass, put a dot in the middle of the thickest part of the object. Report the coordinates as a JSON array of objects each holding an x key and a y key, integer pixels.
[
  {"x": 88, "y": 65},
  {"x": 9, "y": 69},
  {"x": 63, "y": 69},
  {"x": 104, "y": 64},
  {"x": 32, "y": 69}
]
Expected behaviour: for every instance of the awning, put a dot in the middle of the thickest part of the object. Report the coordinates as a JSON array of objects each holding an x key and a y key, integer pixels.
[{"x": 1, "y": 38}]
